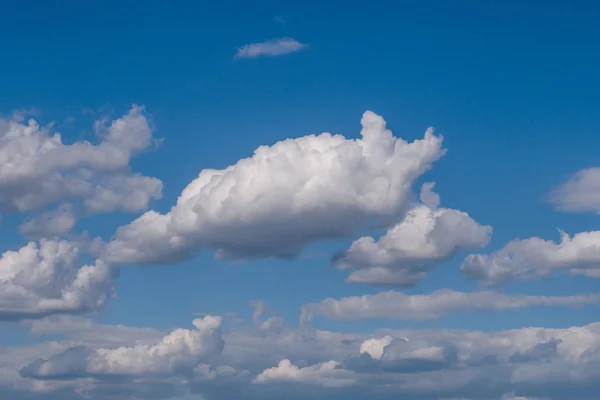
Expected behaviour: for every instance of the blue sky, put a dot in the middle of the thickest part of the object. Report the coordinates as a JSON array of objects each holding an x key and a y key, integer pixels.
[{"x": 511, "y": 86}]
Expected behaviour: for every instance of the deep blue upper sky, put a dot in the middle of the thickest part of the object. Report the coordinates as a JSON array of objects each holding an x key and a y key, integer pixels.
[{"x": 513, "y": 87}]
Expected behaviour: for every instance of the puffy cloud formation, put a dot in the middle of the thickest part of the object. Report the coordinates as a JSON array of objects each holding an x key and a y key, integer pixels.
[
  {"x": 45, "y": 278},
  {"x": 426, "y": 237},
  {"x": 536, "y": 363},
  {"x": 274, "y": 47},
  {"x": 375, "y": 347},
  {"x": 434, "y": 305},
  {"x": 325, "y": 374},
  {"x": 285, "y": 196},
  {"x": 37, "y": 169},
  {"x": 535, "y": 258},
  {"x": 180, "y": 350},
  {"x": 581, "y": 193}
]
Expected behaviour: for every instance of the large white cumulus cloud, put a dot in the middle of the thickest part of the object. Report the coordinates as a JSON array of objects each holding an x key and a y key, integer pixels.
[{"x": 284, "y": 197}]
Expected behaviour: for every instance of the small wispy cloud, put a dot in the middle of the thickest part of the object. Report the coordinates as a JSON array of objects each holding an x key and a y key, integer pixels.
[
  {"x": 274, "y": 47},
  {"x": 20, "y": 114}
]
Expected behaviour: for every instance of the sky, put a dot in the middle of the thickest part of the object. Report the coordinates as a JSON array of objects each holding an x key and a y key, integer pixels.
[{"x": 299, "y": 200}]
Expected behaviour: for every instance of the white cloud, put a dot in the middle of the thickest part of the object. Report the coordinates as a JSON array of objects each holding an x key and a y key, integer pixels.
[
  {"x": 434, "y": 305},
  {"x": 180, "y": 350},
  {"x": 581, "y": 193},
  {"x": 375, "y": 347},
  {"x": 54, "y": 223},
  {"x": 37, "y": 169},
  {"x": 327, "y": 374},
  {"x": 45, "y": 278},
  {"x": 535, "y": 258},
  {"x": 274, "y": 47},
  {"x": 286, "y": 196},
  {"x": 426, "y": 237},
  {"x": 417, "y": 364},
  {"x": 83, "y": 331},
  {"x": 128, "y": 193}
]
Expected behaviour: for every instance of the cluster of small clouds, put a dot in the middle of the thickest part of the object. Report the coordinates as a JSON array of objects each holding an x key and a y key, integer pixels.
[
  {"x": 38, "y": 170},
  {"x": 275, "y": 203},
  {"x": 53, "y": 184}
]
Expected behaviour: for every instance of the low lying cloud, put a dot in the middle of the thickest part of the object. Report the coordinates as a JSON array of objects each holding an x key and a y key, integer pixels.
[
  {"x": 432, "y": 306},
  {"x": 179, "y": 350},
  {"x": 259, "y": 361}
]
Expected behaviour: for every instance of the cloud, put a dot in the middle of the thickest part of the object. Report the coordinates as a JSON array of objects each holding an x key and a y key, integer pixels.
[
  {"x": 54, "y": 223},
  {"x": 38, "y": 169},
  {"x": 274, "y": 47},
  {"x": 257, "y": 363},
  {"x": 77, "y": 329},
  {"x": 273, "y": 204},
  {"x": 432, "y": 306},
  {"x": 285, "y": 196},
  {"x": 180, "y": 349},
  {"x": 20, "y": 114},
  {"x": 44, "y": 278},
  {"x": 581, "y": 193},
  {"x": 325, "y": 374},
  {"x": 375, "y": 347},
  {"x": 424, "y": 238},
  {"x": 535, "y": 258}
]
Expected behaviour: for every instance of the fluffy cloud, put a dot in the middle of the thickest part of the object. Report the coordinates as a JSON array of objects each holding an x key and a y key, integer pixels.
[
  {"x": 180, "y": 350},
  {"x": 375, "y": 347},
  {"x": 534, "y": 258},
  {"x": 581, "y": 193},
  {"x": 45, "y": 278},
  {"x": 327, "y": 374},
  {"x": 426, "y": 237},
  {"x": 37, "y": 169},
  {"x": 274, "y": 47},
  {"x": 419, "y": 364},
  {"x": 284, "y": 197},
  {"x": 434, "y": 305},
  {"x": 53, "y": 223}
]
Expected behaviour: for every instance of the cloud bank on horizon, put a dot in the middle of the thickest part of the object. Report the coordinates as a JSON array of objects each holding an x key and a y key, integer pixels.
[{"x": 273, "y": 205}]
